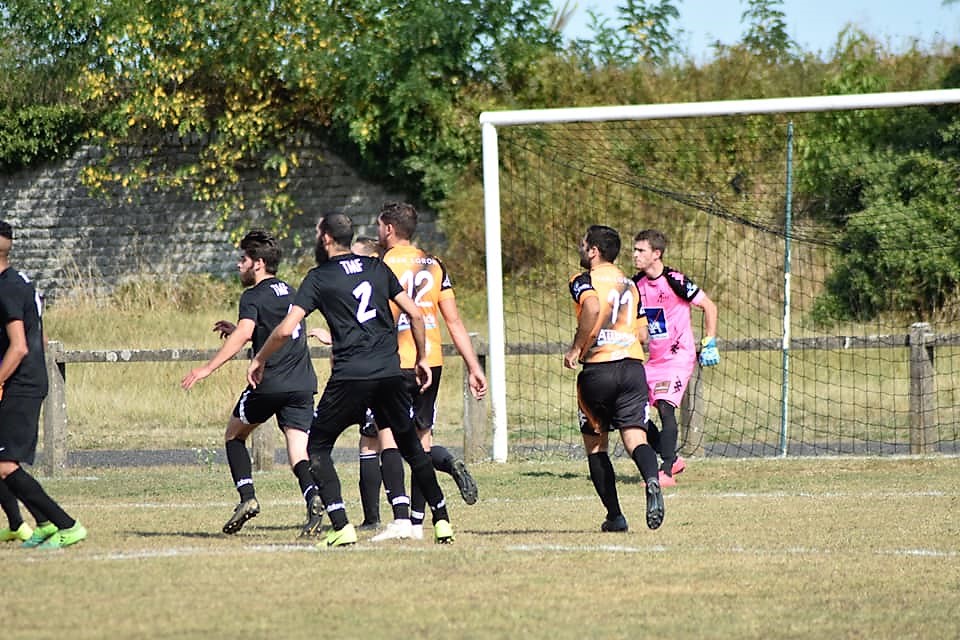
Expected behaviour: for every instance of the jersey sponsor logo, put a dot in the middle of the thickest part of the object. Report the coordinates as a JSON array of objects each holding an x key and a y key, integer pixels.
[
  {"x": 613, "y": 337},
  {"x": 662, "y": 387},
  {"x": 656, "y": 323},
  {"x": 352, "y": 266},
  {"x": 280, "y": 289}
]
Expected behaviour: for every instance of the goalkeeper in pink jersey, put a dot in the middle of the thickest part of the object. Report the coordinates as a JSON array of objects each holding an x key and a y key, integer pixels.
[{"x": 667, "y": 295}]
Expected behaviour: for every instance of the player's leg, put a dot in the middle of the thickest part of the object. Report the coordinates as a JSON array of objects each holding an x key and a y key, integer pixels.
[
  {"x": 391, "y": 468},
  {"x": 594, "y": 421},
  {"x": 16, "y": 528},
  {"x": 294, "y": 416},
  {"x": 630, "y": 415},
  {"x": 668, "y": 442},
  {"x": 393, "y": 406},
  {"x": 418, "y": 502},
  {"x": 342, "y": 401},
  {"x": 667, "y": 384},
  {"x": 370, "y": 476},
  {"x": 241, "y": 470},
  {"x": 19, "y": 428},
  {"x": 425, "y": 412}
]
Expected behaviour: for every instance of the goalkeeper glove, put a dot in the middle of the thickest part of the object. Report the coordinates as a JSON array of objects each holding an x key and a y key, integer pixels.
[{"x": 709, "y": 355}]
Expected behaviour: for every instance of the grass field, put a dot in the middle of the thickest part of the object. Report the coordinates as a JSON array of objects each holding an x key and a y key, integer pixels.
[{"x": 808, "y": 548}]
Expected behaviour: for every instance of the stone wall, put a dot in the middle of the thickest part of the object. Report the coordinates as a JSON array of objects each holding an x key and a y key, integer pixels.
[{"x": 66, "y": 238}]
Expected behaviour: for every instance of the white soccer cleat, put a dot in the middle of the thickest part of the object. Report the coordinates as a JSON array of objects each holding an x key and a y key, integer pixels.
[
  {"x": 416, "y": 532},
  {"x": 396, "y": 530}
]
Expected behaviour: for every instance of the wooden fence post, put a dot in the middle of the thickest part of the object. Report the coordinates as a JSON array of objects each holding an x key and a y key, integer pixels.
[
  {"x": 262, "y": 447},
  {"x": 55, "y": 412},
  {"x": 475, "y": 430},
  {"x": 923, "y": 416},
  {"x": 691, "y": 416}
]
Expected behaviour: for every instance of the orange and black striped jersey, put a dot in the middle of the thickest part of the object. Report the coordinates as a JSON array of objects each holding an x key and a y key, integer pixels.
[
  {"x": 425, "y": 280},
  {"x": 615, "y": 336}
]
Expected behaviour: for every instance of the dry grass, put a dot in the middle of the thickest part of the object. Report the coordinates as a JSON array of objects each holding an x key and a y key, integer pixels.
[{"x": 821, "y": 548}]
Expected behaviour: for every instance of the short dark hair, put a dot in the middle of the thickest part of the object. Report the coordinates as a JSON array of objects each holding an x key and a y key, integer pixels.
[
  {"x": 6, "y": 230},
  {"x": 656, "y": 239},
  {"x": 605, "y": 239},
  {"x": 338, "y": 226},
  {"x": 260, "y": 245},
  {"x": 402, "y": 216},
  {"x": 371, "y": 246}
]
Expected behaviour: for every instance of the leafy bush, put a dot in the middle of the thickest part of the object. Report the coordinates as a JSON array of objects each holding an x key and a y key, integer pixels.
[{"x": 37, "y": 133}]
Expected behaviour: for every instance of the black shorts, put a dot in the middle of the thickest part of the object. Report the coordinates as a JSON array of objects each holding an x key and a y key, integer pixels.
[
  {"x": 612, "y": 395},
  {"x": 293, "y": 409},
  {"x": 344, "y": 401},
  {"x": 424, "y": 404},
  {"x": 19, "y": 428}
]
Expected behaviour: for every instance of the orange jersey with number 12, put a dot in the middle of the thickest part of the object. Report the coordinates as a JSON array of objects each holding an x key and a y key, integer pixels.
[
  {"x": 615, "y": 335},
  {"x": 424, "y": 278}
]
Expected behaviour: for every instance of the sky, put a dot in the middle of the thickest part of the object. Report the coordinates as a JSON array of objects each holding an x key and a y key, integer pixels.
[{"x": 813, "y": 24}]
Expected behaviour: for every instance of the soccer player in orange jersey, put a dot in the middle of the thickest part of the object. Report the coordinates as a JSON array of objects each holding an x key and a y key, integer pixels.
[
  {"x": 425, "y": 280},
  {"x": 611, "y": 387}
]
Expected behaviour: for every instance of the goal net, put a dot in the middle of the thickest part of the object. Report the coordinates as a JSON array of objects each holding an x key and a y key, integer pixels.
[{"x": 826, "y": 229}]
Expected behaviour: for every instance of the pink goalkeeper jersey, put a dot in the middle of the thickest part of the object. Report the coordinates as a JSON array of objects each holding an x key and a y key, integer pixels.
[{"x": 666, "y": 302}]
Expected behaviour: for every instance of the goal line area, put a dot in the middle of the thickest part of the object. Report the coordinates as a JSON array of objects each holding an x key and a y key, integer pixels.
[{"x": 826, "y": 229}]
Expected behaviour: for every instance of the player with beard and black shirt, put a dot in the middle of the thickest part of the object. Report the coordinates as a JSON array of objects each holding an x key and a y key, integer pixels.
[
  {"x": 288, "y": 386},
  {"x": 23, "y": 376},
  {"x": 353, "y": 294}
]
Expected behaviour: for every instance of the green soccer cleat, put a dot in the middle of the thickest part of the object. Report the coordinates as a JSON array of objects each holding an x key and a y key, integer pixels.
[
  {"x": 341, "y": 538},
  {"x": 442, "y": 532},
  {"x": 20, "y": 534},
  {"x": 65, "y": 537},
  {"x": 43, "y": 531}
]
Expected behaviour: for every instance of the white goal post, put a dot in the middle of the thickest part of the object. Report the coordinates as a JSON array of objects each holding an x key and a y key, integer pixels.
[{"x": 490, "y": 121}]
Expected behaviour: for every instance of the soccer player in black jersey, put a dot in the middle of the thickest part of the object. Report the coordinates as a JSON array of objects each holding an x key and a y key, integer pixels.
[
  {"x": 23, "y": 376},
  {"x": 288, "y": 386},
  {"x": 353, "y": 293}
]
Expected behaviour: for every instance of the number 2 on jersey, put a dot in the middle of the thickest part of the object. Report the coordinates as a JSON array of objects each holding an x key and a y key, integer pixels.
[{"x": 362, "y": 293}]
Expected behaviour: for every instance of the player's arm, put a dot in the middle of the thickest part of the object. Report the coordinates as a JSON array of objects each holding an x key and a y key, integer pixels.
[
  {"x": 710, "y": 315},
  {"x": 586, "y": 326},
  {"x": 280, "y": 334},
  {"x": 709, "y": 355},
  {"x": 461, "y": 340},
  {"x": 419, "y": 332},
  {"x": 16, "y": 351},
  {"x": 237, "y": 337}
]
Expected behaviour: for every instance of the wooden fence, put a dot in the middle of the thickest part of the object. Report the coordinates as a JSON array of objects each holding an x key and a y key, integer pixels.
[
  {"x": 55, "y": 411},
  {"x": 477, "y": 434}
]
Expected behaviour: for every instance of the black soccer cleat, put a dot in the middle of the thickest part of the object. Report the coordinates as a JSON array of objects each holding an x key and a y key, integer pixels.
[
  {"x": 243, "y": 512},
  {"x": 314, "y": 518},
  {"x": 654, "y": 504},
  {"x": 616, "y": 524},
  {"x": 465, "y": 482}
]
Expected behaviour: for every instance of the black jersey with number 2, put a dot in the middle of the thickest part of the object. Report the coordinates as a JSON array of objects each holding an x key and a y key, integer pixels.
[
  {"x": 353, "y": 293},
  {"x": 19, "y": 301},
  {"x": 289, "y": 369}
]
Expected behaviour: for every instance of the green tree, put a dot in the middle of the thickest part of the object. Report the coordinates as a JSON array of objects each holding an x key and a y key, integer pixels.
[
  {"x": 641, "y": 35},
  {"x": 395, "y": 83},
  {"x": 766, "y": 35}
]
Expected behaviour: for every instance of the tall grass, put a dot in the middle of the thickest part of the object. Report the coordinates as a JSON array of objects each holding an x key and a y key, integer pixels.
[{"x": 141, "y": 405}]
